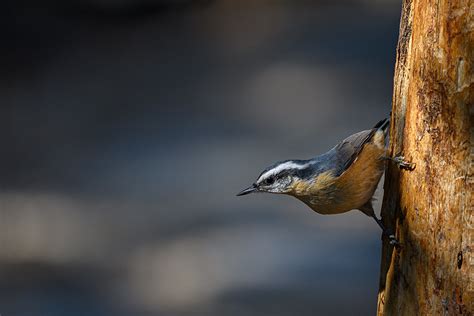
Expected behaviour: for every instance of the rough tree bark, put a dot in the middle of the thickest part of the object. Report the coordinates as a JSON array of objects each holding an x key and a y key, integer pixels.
[{"x": 431, "y": 207}]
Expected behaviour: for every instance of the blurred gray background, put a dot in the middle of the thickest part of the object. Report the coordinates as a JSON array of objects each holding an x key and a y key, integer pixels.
[{"x": 129, "y": 126}]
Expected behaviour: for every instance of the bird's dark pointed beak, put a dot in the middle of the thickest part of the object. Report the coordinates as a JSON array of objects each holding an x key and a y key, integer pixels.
[{"x": 249, "y": 190}]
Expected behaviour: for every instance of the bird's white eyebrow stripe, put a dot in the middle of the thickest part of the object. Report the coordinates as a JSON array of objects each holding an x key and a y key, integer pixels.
[{"x": 283, "y": 166}]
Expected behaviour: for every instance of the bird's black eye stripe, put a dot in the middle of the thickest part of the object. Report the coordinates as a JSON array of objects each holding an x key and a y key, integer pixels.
[{"x": 270, "y": 180}]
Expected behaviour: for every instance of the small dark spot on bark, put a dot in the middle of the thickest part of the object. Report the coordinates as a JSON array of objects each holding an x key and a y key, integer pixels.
[
  {"x": 459, "y": 259},
  {"x": 402, "y": 215},
  {"x": 435, "y": 134},
  {"x": 445, "y": 303},
  {"x": 439, "y": 285},
  {"x": 441, "y": 235}
]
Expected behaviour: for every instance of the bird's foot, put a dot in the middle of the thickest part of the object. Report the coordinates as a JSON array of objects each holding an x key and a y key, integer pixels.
[
  {"x": 400, "y": 161},
  {"x": 403, "y": 164},
  {"x": 394, "y": 241},
  {"x": 387, "y": 232}
]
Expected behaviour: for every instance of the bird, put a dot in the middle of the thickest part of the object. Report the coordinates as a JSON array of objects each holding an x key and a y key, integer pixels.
[{"x": 338, "y": 181}]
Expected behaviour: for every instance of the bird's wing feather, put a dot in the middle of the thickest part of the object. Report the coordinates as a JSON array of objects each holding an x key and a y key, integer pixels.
[
  {"x": 348, "y": 150},
  {"x": 341, "y": 157}
]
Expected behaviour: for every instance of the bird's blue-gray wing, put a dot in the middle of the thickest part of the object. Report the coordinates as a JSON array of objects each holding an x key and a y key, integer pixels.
[
  {"x": 343, "y": 154},
  {"x": 347, "y": 151},
  {"x": 339, "y": 158}
]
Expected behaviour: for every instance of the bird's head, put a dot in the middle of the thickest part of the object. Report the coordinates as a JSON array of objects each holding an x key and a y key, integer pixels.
[{"x": 280, "y": 177}]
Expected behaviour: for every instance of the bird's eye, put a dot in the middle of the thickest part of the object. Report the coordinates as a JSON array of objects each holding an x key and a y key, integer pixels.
[{"x": 269, "y": 180}]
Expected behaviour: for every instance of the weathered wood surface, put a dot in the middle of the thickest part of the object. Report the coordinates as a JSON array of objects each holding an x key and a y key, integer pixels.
[{"x": 431, "y": 208}]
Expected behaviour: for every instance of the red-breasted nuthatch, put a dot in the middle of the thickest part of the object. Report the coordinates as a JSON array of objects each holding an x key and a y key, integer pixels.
[{"x": 342, "y": 179}]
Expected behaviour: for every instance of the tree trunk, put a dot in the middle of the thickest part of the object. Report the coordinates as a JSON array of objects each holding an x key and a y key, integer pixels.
[{"x": 431, "y": 207}]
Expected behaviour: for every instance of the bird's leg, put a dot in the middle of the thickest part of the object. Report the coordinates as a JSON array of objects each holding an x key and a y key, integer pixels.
[
  {"x": 393, "y": 241},
  {"x": 400, "y": 161}
]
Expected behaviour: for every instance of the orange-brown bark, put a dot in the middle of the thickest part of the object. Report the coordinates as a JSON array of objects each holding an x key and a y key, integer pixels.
[{"x": 431, "y": 208}]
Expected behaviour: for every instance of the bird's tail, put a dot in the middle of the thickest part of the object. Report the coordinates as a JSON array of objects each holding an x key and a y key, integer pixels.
[{"x": 383, "y": 124}]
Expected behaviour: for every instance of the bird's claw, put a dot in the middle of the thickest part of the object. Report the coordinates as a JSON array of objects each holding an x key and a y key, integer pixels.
[
  {"x": 403, "y": 164},
  {"x": 393, "y": 241}
]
